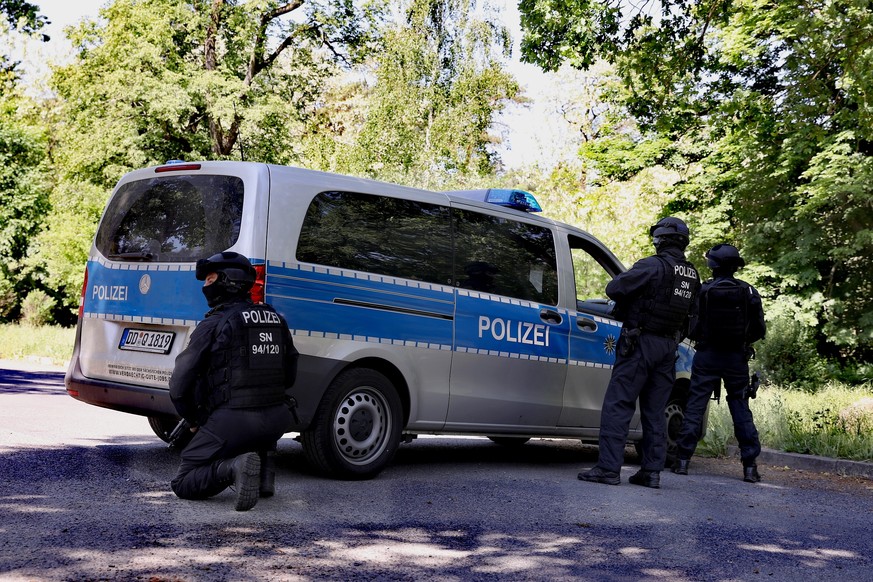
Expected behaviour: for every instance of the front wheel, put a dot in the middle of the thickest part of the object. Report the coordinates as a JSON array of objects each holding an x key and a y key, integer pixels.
[
  {"x": 356, "y": 429},
  {"x": 675, "y": 413}
]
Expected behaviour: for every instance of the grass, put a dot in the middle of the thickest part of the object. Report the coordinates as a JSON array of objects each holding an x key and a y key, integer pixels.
[
  {"x": 43, "y": 344},
  {"x": 835, "y": 421}
]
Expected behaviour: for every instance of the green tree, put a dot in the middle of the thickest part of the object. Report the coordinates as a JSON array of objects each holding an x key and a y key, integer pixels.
[
  {"x": 23, "y": 17},
  {"x": 23, "y": 199},
  {"x": 438, "y": 81},
  {"x": 155, "y": 80},
  {"x": 768, "y": 105}
]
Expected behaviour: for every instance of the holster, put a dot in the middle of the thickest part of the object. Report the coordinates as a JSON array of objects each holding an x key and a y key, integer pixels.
[{"x": 630, "y": 339}]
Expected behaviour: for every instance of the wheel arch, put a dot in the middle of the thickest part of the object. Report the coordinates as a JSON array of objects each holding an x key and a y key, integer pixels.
[{"x": 390, "y": 371}]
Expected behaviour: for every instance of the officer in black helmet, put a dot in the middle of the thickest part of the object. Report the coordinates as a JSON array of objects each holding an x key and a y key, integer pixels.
[
  {"x": 653, "y": 299},
  {"x": 229, "y": 384},
  {"x": 730, "y": 318}
]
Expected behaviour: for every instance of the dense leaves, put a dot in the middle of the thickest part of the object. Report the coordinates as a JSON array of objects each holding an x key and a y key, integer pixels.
[
  {"x": 771, "y": 100},
  {"x": 23, "y": 200},
  {"x": 437, "y": 84},
  {"x": 156, "y": 80}
]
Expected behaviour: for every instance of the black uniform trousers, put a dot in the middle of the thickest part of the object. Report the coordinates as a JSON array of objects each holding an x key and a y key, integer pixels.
[
  {"x": 646, "y": 374},
  {"x": 707, "y": 371},
  {"x": 228, "y": 432}
]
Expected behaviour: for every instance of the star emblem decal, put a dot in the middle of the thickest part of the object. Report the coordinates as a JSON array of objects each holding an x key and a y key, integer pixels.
[{"x": 609, "y": 344}]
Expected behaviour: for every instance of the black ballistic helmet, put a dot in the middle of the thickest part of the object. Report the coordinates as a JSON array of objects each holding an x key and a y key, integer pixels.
[
  {"x": 724, "y": 256},
  {"x": 235, "y": 273},
  {"x": 670, "y": 230}
]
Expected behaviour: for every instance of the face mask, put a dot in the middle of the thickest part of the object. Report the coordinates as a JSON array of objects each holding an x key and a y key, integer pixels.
[{"x": 213, "y": 294}]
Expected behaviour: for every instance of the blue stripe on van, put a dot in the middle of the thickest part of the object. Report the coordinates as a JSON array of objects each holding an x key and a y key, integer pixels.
[{"x": 336, "y": 303}]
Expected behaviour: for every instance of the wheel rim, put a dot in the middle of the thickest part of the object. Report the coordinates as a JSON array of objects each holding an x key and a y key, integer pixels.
[{"x": 361, "y": 425}]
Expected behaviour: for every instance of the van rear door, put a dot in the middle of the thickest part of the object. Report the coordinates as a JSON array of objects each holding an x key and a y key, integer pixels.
[{"x": 141, "y": 299}]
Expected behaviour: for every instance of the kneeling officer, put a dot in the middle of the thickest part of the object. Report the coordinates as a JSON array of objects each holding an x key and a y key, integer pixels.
[{"x": 230, "y": 385}]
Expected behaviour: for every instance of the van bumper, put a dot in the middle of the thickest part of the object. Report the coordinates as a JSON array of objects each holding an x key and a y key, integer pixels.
[{"x": 141, "y": 400}]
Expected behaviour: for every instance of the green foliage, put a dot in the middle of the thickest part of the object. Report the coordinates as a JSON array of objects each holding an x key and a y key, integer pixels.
[
  {"x": 23, "y": 199},
  {"x": 167, "y": 79},
  {"x": 836, "y": 421},
  {"x": 438, "y": 82},
  {"x": 788, "y": 355},
  {"x": 36, "y": 309},
  {"x": 44, "y": 343},
  {"x": 769, "y": 105},
  {"x": 22, "y": 15}
]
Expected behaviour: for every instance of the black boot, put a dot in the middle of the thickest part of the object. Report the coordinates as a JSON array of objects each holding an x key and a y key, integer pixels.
[
  {"x": 268, "y": 474},
  {"x": 598, "y": 475},
  {"x": 651, "y": 479},
  {"x": 750, "y": 474},
  {"x": 681, "y": 466},
  {"x": 243, "y": 474}
]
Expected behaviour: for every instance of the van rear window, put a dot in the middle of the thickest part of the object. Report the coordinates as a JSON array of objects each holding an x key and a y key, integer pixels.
[{"x": 172, "y": 218}]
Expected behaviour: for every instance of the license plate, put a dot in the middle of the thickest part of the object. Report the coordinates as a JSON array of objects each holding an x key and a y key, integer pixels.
[{"x": 142, "y": 340}]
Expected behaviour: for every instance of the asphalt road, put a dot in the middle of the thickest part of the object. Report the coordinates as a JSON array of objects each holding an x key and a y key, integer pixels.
[{"x": 84, "y": 495}]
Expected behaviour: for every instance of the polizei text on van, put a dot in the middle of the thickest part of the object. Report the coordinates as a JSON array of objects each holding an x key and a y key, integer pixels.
[{"x": 517, "y": 332}]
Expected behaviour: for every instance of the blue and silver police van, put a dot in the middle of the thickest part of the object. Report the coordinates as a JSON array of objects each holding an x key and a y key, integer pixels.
[{"x": 415, "y": 312}]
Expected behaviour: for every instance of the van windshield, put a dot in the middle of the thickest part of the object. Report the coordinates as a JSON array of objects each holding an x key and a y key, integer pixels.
[{"x": 172, "y": 218}]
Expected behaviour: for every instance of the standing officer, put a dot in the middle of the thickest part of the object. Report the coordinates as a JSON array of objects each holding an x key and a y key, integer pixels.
[
  {"x": 229, "y": 384},
  {"x": 730, "y": 318},
  {"x": 653, "y": 299}
]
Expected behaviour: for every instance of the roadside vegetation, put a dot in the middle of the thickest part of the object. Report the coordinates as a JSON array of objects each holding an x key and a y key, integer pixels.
[
  {"x": 834, "y": 421},
  {"x": 46, "y": 343}
]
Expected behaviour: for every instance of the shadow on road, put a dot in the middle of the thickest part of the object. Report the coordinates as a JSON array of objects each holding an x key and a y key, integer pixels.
[{"x": 27, "y": 382}]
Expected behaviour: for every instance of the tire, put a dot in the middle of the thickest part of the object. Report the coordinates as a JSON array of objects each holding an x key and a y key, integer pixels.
[
  {"x": 506, "y": 441},
  {"x": 675, "y": 413},
  {"x": 163, "y": 426},
  {"x": 357, "y": 426}
]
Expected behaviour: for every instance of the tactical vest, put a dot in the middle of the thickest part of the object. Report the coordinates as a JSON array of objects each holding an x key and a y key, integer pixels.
[
  {"x": 665, "y": 309},
  {"x": 250, "y": 372},
  {"x": 724, "y": 313}
]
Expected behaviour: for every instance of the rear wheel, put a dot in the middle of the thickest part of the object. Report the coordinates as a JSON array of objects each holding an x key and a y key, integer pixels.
[
  {"x": 163, "y": 426},
  {"x": 356, "y": 429}
]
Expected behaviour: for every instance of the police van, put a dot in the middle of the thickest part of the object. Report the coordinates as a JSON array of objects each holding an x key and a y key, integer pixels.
[{"x": 414, "y": 312}]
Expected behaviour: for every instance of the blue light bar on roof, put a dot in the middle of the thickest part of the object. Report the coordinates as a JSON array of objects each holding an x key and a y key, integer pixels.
[{"x": 518, "y": 199}]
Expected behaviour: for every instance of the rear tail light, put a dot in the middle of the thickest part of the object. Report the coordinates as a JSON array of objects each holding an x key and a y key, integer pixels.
[
  {"x": 257, "y": 292},
  {"x": 82, "y": 297}
]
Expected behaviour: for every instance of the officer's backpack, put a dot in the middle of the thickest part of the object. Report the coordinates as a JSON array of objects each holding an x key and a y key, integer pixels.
[{"x": 724, "y": 313}]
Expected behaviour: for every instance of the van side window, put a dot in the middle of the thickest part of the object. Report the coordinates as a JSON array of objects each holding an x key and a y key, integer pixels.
[
  {"x": 505, "y": 257},
  {"x": 377, "y": 234},
  {"x": 172, "y": 218},
  {"x": 592, "y": 270}
]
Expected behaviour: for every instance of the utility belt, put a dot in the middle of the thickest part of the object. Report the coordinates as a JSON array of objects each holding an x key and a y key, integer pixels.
[
  {"x": 631, "y": 337},
  {"x": 675, "y": 335}
]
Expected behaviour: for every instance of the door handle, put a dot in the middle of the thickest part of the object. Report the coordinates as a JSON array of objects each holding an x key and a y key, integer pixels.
[
  {"x": 585, "y": 324},
  {"x": 551, "y": 316}
]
